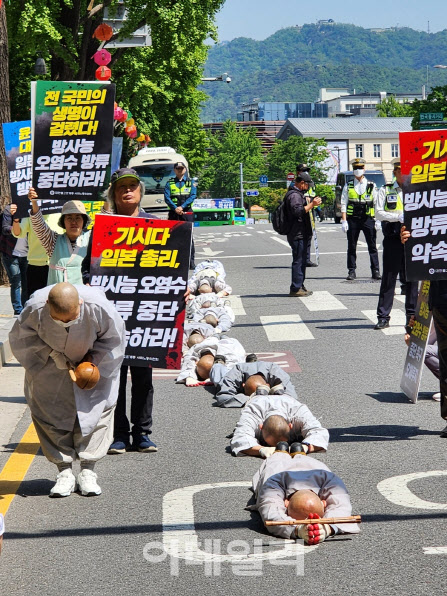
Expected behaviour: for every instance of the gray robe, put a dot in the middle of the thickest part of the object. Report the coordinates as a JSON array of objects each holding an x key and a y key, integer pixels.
[
  {"x": 51, "y": 394},
  {"x": 203, "y": 328},
  {"x": 223, "y": 319},
  {"x": 281, "y": 475},
  {"x": 231, "y": 392},
  {"x": 194, "y": 306},
  {"x": 304, "y": 424},
  {"x": 228, "y": 347}
]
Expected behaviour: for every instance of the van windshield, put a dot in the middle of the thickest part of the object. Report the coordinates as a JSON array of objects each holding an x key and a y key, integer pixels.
[
  {"x": 378, "y": 178},
  {"x": 155, "y": 176}
]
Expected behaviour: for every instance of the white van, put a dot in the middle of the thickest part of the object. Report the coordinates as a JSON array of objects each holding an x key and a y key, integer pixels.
[{"x": 155, "y": 165}]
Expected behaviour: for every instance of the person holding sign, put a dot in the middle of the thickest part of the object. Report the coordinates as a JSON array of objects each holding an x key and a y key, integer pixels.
[
  {"x": 60, "y": 327},
  {"x": 66, "y": 251}
]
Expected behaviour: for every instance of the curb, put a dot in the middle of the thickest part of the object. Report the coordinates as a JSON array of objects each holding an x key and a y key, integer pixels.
[{"x": 5, "y": 348}]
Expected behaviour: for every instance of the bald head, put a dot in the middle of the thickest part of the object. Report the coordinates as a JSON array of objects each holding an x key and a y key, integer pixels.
[
  {"x": 275, "y": 429},
  {"x": 304, "y": 502},
  {"x": 205, "y": 289},
  {"x": 253, "y": 382},
  {"x": 211, "y": 320},
  {"x": 64, "y": 302},
  {"x": 194, "y": 338},
  {"x": 204, "y": 365}
]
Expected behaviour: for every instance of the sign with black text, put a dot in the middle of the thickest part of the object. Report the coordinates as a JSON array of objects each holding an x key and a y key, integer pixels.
[{"x": 17, "y": 137}]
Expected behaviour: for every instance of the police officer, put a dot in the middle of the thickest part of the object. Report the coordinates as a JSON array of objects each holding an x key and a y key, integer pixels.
[
  {"x": 389, "y": 209},
  {"x": 357, "y": 213},
  {"x": 180, "y": 192}
]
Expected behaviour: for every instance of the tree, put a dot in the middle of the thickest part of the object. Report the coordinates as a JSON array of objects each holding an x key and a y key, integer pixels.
[
  {"x": 391, "y": 108},
  {"x": 5, "y": 116},
  {"x": 285, "y": 155},
  {"x": 270, "y": 198},
  {"x": 157, "y": 83},
  {"x": 436, "y": 102},
  {"x": 234, "y": 145}
]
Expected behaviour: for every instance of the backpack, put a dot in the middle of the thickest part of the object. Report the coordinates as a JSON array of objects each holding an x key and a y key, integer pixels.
[{"x": 281, "y": 220}]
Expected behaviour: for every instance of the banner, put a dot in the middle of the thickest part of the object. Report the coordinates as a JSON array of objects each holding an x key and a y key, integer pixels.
[
  {"x": 423, "y": 165},
  {"x": 142, "y": 265},
  {"x": 72, "y": 126},
  {"x": 213, "y": 204},
  {"x": 17, "y": 136},
  {"x": 420, "y": 332}
]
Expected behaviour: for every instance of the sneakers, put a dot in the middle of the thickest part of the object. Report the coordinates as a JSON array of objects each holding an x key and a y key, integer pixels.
[
  {"x": 443, "y": 433},
  {"x": 205, "y": 352},
  {"x": 351, "y": 275},
  {"x": 65, "y": 484},
  {"x": 87, "y": 484},
  {"x": 251, "y": 358},
  {"x": 118, "y": 446},
  {"x": 143, "y": 444},
  {"x": 311, "y": 264},
  {"x": 219, "y": 359},
  {"x": 376, "y": 275},
  {"x": 301, "y": 293},
  {"x": 382, "y": 324},
  {"x": 436, "y": 396}
]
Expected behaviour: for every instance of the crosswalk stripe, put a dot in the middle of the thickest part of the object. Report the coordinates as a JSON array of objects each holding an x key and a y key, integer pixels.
[
  {"x": 260, "y": 231},
  {"x": 281, "y": 241},
  {"x": 322, "y": 301},
  {"x": 400, "y": 298},
  {"x": 236, "y": 305},
  {"x": 285, "y": 328},
  {"x": 397, "y": 321}
]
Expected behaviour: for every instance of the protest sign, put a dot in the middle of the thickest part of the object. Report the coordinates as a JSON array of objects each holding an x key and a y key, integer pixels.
[
  {"x": 72, "y": 127},
  {"x": 414, "y": 362},
  {"x": 423, "y": 165},
  {"x": 142, "y": 266},
  {"x": 17, "y": 136}
]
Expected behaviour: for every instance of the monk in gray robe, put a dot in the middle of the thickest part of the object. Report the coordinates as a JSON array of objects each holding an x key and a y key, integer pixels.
[
  {"x": 268, "y": 419},
  {"x": 288, "y": 488},
  {"x": 61, "y": 326}
]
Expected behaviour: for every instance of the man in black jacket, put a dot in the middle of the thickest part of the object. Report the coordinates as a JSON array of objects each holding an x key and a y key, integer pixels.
[{"x": 298, "y": 209}]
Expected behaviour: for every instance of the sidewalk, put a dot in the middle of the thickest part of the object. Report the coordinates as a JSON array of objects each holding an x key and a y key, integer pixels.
[{"x": 6, "y": 322}]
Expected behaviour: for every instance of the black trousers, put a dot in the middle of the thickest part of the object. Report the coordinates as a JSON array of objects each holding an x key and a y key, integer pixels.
[
  {"x": 393, "y": 264},
  {"x": 173, "y": 216},
  {"x": 299, "y": 259},
  {"x": 440, "y": 320},
  {"x": 365, "y": 225},
  {"x": 36, "y": 278},
  {"x": 141, "y": 404}
]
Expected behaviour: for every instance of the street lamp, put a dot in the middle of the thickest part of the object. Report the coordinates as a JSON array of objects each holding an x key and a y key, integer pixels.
[
  {"x": 222, "y": 77},
  {"x": 40, "y": 68}
]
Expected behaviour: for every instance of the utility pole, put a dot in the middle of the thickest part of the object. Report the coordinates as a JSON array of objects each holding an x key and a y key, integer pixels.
[{"x": 241, "y": 174}]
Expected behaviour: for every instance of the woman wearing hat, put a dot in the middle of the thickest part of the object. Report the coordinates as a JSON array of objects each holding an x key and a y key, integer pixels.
[{"x": 66, "y": 251}]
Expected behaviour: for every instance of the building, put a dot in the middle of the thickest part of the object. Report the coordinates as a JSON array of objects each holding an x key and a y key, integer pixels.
[
  {"x": 265, "y": 131},
  {"x": 263, "y": 111},
  {"x": 374, "y": 139},
  {"x": 363, "y": 104}
]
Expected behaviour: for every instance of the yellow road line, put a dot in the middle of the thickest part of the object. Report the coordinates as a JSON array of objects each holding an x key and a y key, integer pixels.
[{"x": 16, "y": 467}]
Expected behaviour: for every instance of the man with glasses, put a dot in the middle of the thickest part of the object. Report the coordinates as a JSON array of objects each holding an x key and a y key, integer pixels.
[{"x": 180, "y": 192}]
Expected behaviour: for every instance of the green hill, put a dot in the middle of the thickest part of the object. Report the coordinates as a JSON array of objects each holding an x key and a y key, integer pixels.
[{"x": 293, "y": 63}]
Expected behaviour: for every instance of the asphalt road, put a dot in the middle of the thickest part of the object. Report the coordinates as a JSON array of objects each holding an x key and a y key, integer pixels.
[{"x": 350, "y": 374}]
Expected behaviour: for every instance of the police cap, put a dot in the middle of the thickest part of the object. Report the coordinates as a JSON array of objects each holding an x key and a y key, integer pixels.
[
  {"x": 358, "y": 163},
  {"x": 396, "y": 163}
]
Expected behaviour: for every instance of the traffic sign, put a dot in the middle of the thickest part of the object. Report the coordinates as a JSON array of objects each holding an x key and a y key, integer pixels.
[
  {"x": 290, "y": 177},
  {"x": 263, "y": 181},
  {"x": 431, "y": 117},
  {"x": 252, "y": 193}
]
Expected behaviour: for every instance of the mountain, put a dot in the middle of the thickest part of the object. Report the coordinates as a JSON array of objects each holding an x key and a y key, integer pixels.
[{"x": 293, "y": 63}]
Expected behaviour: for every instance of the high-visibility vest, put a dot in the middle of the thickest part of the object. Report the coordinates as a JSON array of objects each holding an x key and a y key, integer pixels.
[
  {"x": 179, "y": 194},
  {"x": 360, "y": 205},
  {"x": 393, "y": 201}
]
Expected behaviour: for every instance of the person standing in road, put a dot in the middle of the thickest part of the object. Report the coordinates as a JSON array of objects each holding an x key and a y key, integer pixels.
[
  {"x": 14, "y": 258},
  {"x": 357, "y": 214},
  {"x": 389, "y": 209},
  {"x": 302, "y": 167},
  {"x": 298, "y": 209},
  {"x": 180, "y": 192}
]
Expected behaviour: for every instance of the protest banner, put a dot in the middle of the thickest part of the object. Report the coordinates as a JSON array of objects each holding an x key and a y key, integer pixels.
[
  {"x": 423, "y": 165},
  {"x": 414, "y": 362},
  {"x": 72, "y": 134},
  {"x": 214, "y": 203},
  {"x": 17, "y": 136},
  {"x": 142, "y": 266}
]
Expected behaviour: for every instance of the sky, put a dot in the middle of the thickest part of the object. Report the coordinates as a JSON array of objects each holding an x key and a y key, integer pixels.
[{"x": 259, "y": 19}]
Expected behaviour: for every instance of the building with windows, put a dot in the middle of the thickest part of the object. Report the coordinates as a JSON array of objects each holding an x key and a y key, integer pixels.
[
  {"x": 362, "y": 104},
  {"x": 263, "y": 111},
  {"x": 374, "y": 139}
]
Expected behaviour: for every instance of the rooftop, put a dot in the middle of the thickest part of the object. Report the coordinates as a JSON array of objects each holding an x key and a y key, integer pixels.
[{"x": 337, "y": 128}]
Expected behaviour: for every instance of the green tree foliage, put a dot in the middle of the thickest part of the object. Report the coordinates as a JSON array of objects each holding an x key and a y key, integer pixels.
[
  {"x": 285, "y": 155},
  {"x": 270, "y": 198},
  {"x": 326, "y": 192},
  {"x": 234, "y": 145},
  {"x": 391, "y": 108},
  {"x": 436, "y": 102},
  {"x": 158, "y": 84}
]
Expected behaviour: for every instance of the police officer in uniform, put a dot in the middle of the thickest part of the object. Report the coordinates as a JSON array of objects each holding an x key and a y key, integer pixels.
[
  {"x": 357, "y": 212},
  {"x": 180, "y": 192},
  {"x": 389, "y": 209}
]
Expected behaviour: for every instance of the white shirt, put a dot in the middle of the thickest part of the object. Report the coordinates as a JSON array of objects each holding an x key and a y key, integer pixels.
[
  {"x": 379, "y": 205},
  {"x": 359, "y": 187}
]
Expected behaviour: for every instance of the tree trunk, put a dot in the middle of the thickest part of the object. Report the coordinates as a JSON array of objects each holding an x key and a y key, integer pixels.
[{"x": 5, "y": 116}]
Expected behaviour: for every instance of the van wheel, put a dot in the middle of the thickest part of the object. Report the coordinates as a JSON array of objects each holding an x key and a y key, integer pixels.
[{"x": 337, "y": 219}]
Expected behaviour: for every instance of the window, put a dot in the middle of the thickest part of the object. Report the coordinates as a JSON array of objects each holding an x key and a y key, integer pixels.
[
  {"x": 394, "y": 150},
  {"x": 377, "y": 150},
  {"x": 359, "y": 150}
]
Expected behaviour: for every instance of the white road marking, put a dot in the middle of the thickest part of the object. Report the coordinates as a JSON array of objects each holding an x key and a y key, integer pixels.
[
  {"x": 281, "y": 241},
  {"x": 181, "y": 541},
  {"x": 236, "y": 304},
  {"x": 260, "y": 232},
  {"x": 400, "y": 298},
  {"x": 435, "y": 550},
  {"x": 396, "y": 490},
  {"x": 209, "y": 253},
  {"x": 285, "y": 328},
  {"x": 322, "y": 301},
  {"x": 286, "y": 254},
  {"x": 397, "y": 321},
  {"x": 361, "y": 244}
]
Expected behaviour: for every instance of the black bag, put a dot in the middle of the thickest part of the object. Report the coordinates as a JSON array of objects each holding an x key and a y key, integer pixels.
[{"x": 281, "y": 220}]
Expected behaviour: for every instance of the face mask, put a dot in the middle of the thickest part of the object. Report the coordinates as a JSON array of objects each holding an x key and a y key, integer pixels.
[
  {"x": 359, "y": 173},
  {"x": 68, "y": 324}
]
